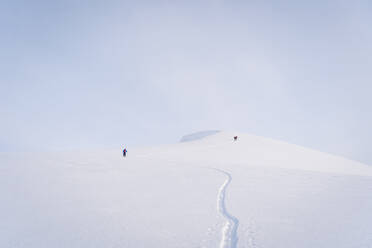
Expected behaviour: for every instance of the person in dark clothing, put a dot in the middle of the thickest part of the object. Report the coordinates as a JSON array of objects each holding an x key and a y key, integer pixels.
[
  {"x": 235, "y": 138},
  {"x": 125, "y": 152}
]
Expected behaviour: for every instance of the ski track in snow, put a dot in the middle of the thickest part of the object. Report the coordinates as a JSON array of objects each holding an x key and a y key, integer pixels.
[{"x": 229, "y": 229}]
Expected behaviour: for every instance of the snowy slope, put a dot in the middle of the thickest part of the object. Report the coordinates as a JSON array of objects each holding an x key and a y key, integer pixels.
[{"x": 209, "y": 192}]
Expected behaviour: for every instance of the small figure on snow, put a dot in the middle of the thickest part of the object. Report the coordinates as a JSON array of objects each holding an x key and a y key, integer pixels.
[
  {"x": 125, "y": 152},
  {"x": 235, "y": 138}
]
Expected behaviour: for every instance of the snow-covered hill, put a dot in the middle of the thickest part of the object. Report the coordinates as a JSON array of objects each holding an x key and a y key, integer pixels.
[{"x": 209, "y": 192}]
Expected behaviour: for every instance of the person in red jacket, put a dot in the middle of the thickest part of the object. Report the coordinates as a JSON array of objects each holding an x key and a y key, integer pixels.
[{"x": 125, "y": 152}]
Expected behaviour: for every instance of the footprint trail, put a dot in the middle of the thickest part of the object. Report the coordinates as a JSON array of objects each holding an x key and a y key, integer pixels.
[{"x": 229, "y": 230}]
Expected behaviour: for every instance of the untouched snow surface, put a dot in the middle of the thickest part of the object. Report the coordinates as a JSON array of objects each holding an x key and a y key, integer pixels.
[{"x": 211, "y": 192}]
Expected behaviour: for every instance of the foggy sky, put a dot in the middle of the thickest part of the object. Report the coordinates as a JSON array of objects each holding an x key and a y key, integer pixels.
[{"x": 106, "y": 74}]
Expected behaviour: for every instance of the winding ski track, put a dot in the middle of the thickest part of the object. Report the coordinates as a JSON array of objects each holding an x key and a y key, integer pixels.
[{"x": 229, "y": 230}]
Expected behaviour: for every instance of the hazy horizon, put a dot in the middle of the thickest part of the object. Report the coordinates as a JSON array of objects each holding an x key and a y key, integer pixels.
[{"x": 98, "y": 74}]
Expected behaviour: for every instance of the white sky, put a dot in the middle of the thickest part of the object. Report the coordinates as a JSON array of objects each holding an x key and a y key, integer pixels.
[{"x": 103, "y": 74}]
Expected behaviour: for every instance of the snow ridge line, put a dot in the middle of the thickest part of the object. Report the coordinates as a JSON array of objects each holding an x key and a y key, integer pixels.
[{"x": 229, "y": 229}]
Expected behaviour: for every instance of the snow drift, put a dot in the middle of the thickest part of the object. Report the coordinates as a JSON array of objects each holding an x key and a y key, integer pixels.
[
  {"x": 198, "y": 135},
  {"x": 209, "y": 192}
]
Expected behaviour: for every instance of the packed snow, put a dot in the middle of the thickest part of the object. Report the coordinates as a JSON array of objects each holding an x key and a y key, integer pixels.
[{"x": 211, "y": 191}]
